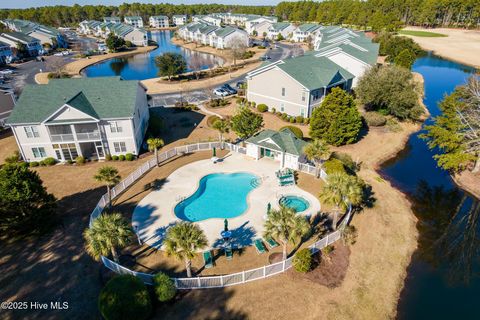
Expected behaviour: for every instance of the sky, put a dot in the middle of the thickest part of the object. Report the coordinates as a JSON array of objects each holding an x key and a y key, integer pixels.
[{"x": 39, "y": 3}]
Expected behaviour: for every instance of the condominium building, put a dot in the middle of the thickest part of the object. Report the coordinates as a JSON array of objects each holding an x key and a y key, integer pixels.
[
  {"x": 179, "y": 19},
  {"x": 298, "y": 85},
  {"x": 89, "y": 117},
  {"x": 211, "y": 35},
  {"x": 134, "y": 21},
  {"x": 158, "y": 22},
  {"x": 15, "y": 39}
]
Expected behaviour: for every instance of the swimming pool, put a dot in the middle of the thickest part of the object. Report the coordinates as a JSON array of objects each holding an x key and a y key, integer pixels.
[
  {"x": 219, "y": 195},
  {"x": 297, "y": 203}
]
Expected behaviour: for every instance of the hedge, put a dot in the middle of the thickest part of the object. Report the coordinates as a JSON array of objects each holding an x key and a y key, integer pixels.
[
  {"x": 129, "y": 157},
  {"x": 262, "y": 107},
  {"x": 334, "y": 165},
  {"x": 302, "y": 261}
]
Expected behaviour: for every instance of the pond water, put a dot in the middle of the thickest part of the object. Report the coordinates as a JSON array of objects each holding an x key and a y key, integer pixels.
[
  {"x": 442, "y": 280},
  {"x": 142, "y": 66}
]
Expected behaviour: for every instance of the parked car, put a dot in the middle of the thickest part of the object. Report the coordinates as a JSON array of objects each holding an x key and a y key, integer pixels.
[
  {"x": 229, "y": 89},
  {"x": 220, "y": 92},
  {"x": 58, "y": 54},
  {"x": 6, "y": 72},
  {"x": 265, "y": 58}
]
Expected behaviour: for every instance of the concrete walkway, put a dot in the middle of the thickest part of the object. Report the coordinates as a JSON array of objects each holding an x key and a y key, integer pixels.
[{"x": 155, "y": 213}]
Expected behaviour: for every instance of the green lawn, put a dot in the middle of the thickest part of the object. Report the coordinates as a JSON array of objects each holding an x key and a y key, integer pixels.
[{"x": 421, "y": 33}]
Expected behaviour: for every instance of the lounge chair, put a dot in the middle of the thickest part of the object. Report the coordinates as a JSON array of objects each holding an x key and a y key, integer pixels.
[
  {"x": 229, "y": 253},
  {"x": 271, "y": 242},
  {"x": 259, "y": 246},
  {"x": 207, "y": 259}
]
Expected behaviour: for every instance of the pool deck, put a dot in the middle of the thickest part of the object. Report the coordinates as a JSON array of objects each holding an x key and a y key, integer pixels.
[{"x": 155, "y": 213}]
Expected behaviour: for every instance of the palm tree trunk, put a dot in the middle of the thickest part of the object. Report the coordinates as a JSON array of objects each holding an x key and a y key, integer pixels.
[
  {"x": 114, "y": 254},
  {"x": 476, "y": 168},
  {"x": 284, "y": 250},
  {"x": 188, "y": 266},
  {"x": 317, "y": 169},
  {"x": 156, "y": 157}
]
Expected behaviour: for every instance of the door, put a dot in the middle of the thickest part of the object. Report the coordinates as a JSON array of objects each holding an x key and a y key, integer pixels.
[
  {"x": 99, "y": 148},
  {"x": 268, "y": 153}
]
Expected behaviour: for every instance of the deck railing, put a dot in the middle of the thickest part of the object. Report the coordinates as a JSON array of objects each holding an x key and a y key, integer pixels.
[{"x": 210, "y": 281}]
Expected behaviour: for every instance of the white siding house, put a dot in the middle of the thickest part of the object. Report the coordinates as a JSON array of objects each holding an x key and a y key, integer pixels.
[
  {"x": 159, "y": 22},
  {"x": 284, "y": 28},
  {"x": 179, "y": 19},
  {"x": 89, "y": 117},
  {"x": 134, "y": 21},
  {"x": 13, "y": 39}
]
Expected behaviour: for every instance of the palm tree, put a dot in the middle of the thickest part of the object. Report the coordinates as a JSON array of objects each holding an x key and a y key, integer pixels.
[
  {"x": 285, "y": 225},
  {"x": 318, "y": 152},
  {"x": 340, "y": 190},
  {"x": 108, "y": 233},
  {"x": 183, "y": 240},
  {"x": 109, "y": 176},
  {"x": 153, "y": 145},
  {"x": 222, "y": 126}
]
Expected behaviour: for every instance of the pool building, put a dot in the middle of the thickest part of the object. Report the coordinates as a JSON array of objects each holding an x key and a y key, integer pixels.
[{"x": 281, "y": 146}]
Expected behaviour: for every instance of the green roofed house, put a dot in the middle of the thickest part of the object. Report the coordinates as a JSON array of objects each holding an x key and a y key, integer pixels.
[
  {"x": 284, "y": 28},
  {"x": 298, "y": 85},
  {"x": 89, "y": 117},
  {"x": 282, "y": 146}
]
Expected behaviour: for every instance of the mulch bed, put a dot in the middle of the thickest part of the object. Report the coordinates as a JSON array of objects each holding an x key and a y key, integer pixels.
[{"x": 327, "y": 271}]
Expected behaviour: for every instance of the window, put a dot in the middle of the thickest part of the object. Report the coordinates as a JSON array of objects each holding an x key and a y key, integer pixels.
[
  {"x": 119, "y": 147},
  {"x": 303, "y": 96},
  {"x": 114, "y": 127},
  {"x": 39, "y": 152},
  {"x": 282, "y": 107},
  {"x": 283, "y": 92},
  {"x": 32, "y": 132}
]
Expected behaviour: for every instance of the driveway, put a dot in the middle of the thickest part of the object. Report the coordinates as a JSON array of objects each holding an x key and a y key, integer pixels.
[{"x": 281, "y": 51}]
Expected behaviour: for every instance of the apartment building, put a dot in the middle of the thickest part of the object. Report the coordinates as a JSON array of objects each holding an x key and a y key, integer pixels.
[
  {"x": 89, "y": 117},
  {"x": 159, "y": 22}
]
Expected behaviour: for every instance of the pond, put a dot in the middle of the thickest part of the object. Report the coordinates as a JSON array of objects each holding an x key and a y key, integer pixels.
[
  {"x": 442, "y": 280},
  {"x": 142, "y": 66}
]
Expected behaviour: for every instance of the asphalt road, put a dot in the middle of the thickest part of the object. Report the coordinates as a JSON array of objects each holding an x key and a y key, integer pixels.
[{"x": 281, "y": 51}]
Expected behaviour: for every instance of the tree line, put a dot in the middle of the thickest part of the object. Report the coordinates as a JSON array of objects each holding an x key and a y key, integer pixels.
[{"x": 375, "y": 14}]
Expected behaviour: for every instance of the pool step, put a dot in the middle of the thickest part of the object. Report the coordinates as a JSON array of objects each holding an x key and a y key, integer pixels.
[{"x": 255, "y": 182}]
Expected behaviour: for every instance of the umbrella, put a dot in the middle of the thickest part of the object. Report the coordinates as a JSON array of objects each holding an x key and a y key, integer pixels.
[
  {"x": 214, "y": 152},
  {"x": 225, "y": 224},
  {"x": 269, "y": 206}
]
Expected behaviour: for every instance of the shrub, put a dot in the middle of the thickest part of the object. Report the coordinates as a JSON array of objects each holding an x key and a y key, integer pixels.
[
  {"x": 80, "y": 160},
  {"x": 129, "y": 157},
  {"x": 292, "y": 119},
  {"x": 211, "y": 120},
  {"x": 327, "y": 250},
  {"x": 14, "y": 158},
  {"x": 349, "y": 235},
  {"x": 262, "y": 107},
  {"x": 124, "y": 297},
  {"x": 121, "y": 157},
  {"x": 278, "y": 113},
  {"x": 41, "y": 163},
  {"x": 34, "y": 164},
  {"x": 114, "y": 158},
  {"x": 215, "y": 103},
  {"x": 241, "y": 100},
  {"x": 302, "y": 261},
  {"x": 374, "y": 119},
  {"x": 69, "y": 162},
  {"x": 164, "y": 287},
  {"x": 350, "y": 166},
  {"x": 49, "y": 161},
  {"x": 296, "y": 131},
  {"x": 284, "y": 116},
  {"x": 334, "y": 165},
  {"x": 261, "y": 47},
  {"x": 252, "y": 104},
  {"x": 108, "y": 157},
  {"x": 306, "y": 120},
  {"x": 299, "y": 119},
  {"x": 274, "y": 111}
]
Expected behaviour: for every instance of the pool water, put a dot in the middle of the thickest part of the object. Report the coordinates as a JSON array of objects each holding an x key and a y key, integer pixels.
[
  {"x": 219, "y": 195},
  {"x": 299, "y": 204}
]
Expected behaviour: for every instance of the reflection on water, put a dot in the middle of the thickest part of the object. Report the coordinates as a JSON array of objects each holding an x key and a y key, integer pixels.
[
  {"x": 442, "y": 280},
  {"x": 142, "y": 66},
  {"x": 449, "y": 233}
]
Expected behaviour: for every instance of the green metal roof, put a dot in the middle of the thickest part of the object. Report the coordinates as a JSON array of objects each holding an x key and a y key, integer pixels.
[
  {"x": 222, "y": 32},
  {"x": 314, "y": 72},
  {"x": 19, "y": 36},
  {"x": 102, "y": 98},
  {"x": 309, "y": 27},
  {"x": 284, "y": 141},
  {"x": 279, "y": 26}
]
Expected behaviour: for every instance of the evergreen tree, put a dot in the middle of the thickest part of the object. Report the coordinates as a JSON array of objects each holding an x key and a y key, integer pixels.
[
  {"x": 246, "y": 123},
  {"x": 170, "y": 64},
  {"x": 25, "y": 204},
  {"x": 114, "y": 43},
  {"x": 405, "y": 59},
  {"x": 337, "y": 120}
]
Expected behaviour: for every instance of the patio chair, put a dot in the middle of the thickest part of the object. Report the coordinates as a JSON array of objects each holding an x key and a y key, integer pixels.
[
  {"x": 259, "y": 246},
  {"x": 229, "y": 253},
  {"x": 271, "y": 243},
  {"x": 208, "y": 259}
]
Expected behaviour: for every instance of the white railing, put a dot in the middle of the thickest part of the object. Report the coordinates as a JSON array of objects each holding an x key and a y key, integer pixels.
[
  {"x": 211, "y": 281},
  {"x": 62, "y": 137},
  {"x": 88, "y": 135}
]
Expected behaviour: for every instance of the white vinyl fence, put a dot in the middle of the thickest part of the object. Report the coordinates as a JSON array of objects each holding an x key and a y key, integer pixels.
[{"x": 213, "y": 281}]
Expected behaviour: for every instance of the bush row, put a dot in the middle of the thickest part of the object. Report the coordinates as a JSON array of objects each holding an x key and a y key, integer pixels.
[{"x": 128, "y": 157}]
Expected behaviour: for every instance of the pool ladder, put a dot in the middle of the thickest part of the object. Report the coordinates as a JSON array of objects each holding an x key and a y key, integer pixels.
[
  {"x": 181, "y": 198},
  {"x": 255, "y": 182}
]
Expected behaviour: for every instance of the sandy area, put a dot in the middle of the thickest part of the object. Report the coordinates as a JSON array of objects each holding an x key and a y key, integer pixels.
[
  {"x": 469, "y": 181},
  {"x": 460, "y": 45}
]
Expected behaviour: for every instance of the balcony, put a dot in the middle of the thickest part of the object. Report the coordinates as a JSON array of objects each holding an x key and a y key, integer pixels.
[
  {"x": 62, "y": 137},
  {"x": 85, "y": 136}
]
